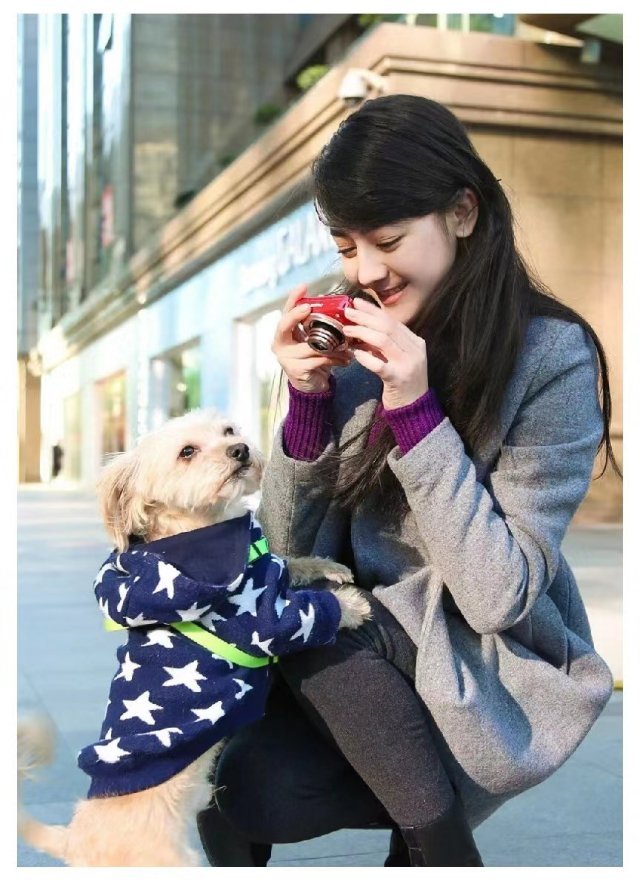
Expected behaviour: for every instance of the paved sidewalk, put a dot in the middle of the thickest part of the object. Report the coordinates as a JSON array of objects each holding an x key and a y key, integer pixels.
[{"x": 66, "y": 662}]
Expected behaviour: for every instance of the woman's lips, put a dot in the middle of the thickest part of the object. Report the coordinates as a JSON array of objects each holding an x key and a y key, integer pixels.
[{"x": 391, "y": 296}]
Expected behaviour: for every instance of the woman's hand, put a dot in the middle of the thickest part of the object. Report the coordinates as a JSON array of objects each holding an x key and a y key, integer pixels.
[
  {"x": 391, "y": 350},
  {"x": 307, "y": 370}
]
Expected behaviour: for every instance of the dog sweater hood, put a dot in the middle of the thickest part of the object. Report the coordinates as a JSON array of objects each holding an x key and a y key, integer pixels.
[{"x": 171, "y": 699}]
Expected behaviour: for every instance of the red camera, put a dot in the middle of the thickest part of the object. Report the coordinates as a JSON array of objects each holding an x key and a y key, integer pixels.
[{"x": 323, "y": 327}]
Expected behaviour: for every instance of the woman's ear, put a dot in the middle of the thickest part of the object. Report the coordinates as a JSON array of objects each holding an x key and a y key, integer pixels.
[
  {"x": 122, "y": 509},
  {"x": 464, "y": 215}
]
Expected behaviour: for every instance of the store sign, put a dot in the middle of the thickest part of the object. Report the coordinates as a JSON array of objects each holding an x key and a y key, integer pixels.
[{"x": 291, "y": 244}]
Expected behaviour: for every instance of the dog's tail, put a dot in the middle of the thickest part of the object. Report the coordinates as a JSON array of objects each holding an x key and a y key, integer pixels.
[{"x": 35, "y": 749}]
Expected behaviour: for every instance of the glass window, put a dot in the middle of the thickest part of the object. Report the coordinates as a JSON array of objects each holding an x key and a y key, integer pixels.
[
  {"x": 112, "y": 413},
  {"x": 183, "y": 381},
  {"x": 492, "y": 24},
  {"x": 259, "y": 397},
  {"x": 71, "y": 449},
  {"x": 175, "y": 383},
  {"x": 273, "y": 394},
  {"x": 500, "y": 23}
]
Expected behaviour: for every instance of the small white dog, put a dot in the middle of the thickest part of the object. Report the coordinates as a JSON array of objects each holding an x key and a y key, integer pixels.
[{"x": 206, "y": 607}]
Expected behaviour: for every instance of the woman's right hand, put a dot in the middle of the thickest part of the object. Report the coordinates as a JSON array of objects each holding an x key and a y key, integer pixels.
[{"x": 307, "y": 370}]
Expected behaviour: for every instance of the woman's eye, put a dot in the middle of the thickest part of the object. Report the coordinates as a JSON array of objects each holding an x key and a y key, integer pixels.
[
  {"x": 228, "y": 432},
  {"x": 347, "y": 251},
  {"x": 389, "y": 244},
  {"x": 187, "y": 452}
]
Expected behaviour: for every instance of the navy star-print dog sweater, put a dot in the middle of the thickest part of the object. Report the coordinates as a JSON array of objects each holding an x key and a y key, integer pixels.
[{"x": 171, "y": 699}]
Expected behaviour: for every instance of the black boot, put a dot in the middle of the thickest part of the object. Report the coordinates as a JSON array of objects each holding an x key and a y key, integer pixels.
[
  {"x": 446, "y": 842},
  {"x": 224, "y": 846},
  {"x": 398, "y": 852}
]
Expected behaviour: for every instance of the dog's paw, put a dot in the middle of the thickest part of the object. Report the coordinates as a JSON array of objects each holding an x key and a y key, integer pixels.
[
  {"x": 354, "y": 607},
  {"x": 337, "y": 572},
  {"x": 303, "y": 570}
]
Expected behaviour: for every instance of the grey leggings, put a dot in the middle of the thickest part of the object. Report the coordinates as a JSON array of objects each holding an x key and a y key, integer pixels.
[{"x": 345, "y": 742}]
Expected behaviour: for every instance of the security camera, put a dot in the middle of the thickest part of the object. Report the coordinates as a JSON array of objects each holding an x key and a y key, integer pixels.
[{"x": 356, "y": 84}]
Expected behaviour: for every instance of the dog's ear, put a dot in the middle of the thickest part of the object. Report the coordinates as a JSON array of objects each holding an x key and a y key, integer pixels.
[{"x": 122, "y": 510}]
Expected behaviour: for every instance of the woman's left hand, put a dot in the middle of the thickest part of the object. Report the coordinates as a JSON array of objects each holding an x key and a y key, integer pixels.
[{"x": 396, "y": 355}]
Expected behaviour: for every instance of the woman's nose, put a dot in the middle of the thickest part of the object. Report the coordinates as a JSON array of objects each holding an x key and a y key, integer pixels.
[{"x": 371, "y": 268}]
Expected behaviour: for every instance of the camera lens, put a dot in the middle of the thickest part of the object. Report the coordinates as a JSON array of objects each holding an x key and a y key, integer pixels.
[{"x": 324, "y": 336}]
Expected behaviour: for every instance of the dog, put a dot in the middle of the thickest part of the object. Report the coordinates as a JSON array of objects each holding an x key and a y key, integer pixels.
[{"x": 178, "y": 496}]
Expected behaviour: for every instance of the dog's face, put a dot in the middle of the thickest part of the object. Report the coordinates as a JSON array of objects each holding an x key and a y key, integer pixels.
[{"x": 198, "y": 462}]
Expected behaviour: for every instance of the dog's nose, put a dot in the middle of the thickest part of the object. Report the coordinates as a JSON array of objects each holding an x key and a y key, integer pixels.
[{"x": 239, "y": 452}]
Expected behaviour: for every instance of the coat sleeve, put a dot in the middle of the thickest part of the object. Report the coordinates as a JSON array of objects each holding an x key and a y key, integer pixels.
[
  {"x": 496, "y": 544},
  {"x": 293, "y": 505},
  {"x": 297, "y": 509},
  {"x": 133, "y": 590}
]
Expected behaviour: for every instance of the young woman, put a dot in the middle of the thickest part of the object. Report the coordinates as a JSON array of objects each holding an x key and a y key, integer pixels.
[{"x": 442, "y": 458}]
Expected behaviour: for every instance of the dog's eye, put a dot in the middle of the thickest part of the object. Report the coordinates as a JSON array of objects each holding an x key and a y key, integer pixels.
[
  {"x": 187, "y": 452},
  {"x": 228, "y": 432}
]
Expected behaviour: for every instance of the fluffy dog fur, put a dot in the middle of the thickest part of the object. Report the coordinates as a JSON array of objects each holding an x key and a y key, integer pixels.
[{"x": 191, "y": 473}]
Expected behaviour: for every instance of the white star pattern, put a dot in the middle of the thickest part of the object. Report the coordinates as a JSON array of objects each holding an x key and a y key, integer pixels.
[
  {"x": 160, "y": 637},
  {"x": 281, "y": 603},
  {"x": 246, "y": 601},
  {"x": 186, "y": 676},
  {"x": 275, "y": 559},
  {"x": 192, "y": 614},
  {"x": 164, "y": 735},
  {"x": 168, "y": 574},
  {"x": 209, "y": 619},
  {"x": 261, "y": 644},
  {"x": 244, "y": 688},
  {"x": 122, "y": 591},
  {"x": 212, "y": 713},
  {"x": 220, "y": 658},
  {"x": 108, "y": 735},
  {"x": 138, "y": 621},
  {"x": 110, "y": 753},
  {"x": 108, "y": 567},
  {"x": 236, "y": 582},
  {"x": 141, "y": 708},
  {"x": 127, "y": 668},
  {"x": 307, "y": 620},
  {"x": 104, "y": 607}
]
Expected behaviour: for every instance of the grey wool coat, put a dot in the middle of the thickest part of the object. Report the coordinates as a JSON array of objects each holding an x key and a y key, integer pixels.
[{"x": 473, "y": 569}]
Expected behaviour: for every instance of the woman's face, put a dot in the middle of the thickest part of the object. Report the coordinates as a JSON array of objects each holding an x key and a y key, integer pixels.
[{"x": 403, "y": 262}]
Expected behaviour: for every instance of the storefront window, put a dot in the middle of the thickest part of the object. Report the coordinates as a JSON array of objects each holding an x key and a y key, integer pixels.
[
  {"x": 112, "y": 412},
  {"x": 183, "y": 370},
  {"x": 175, "y": 383},
  {"x": 273, "y": 395},
  {"x": 501, "y": 23},
  {"x": 71, "y": 446}
]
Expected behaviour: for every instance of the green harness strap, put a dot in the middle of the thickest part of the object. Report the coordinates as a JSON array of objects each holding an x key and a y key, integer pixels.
[{"x": 202, "y": 637}]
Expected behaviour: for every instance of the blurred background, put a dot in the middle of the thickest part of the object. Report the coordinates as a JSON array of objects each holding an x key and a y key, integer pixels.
[{"x": 164, "y": 207}]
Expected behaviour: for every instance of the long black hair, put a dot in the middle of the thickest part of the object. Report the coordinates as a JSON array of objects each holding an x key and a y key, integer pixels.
[{"x": 404, "y": 156}]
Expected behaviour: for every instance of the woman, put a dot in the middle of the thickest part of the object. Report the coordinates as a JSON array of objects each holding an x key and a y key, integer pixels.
[{"x": 441, "y": 457}]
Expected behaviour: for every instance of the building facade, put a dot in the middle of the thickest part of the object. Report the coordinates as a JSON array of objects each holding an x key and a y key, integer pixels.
[
  {"x": 184, "y": 227},
  {"x": 28, "y": 248}
]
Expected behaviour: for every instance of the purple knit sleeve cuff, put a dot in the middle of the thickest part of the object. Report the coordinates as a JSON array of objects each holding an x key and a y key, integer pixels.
[
  {"x": 307, "y": 427},
  {"x": 411, "y": 424}
]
